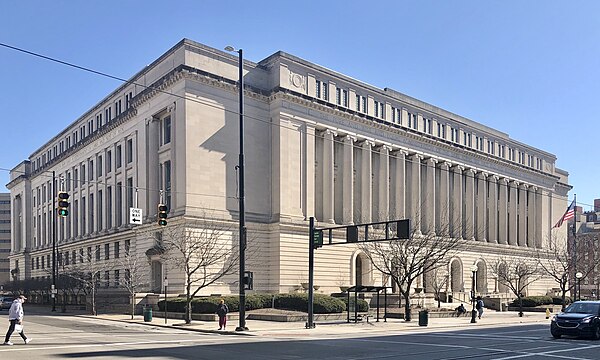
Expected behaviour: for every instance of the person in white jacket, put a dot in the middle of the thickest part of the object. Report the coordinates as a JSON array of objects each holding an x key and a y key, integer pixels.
[{"x": 15, "y": 316}]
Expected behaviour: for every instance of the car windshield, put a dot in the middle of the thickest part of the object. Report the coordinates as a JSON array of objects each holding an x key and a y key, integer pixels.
[{"x": 583, "y": 308}]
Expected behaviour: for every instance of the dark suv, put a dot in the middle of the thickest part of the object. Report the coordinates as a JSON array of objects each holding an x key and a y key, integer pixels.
[{"x": 582, "y": 318}]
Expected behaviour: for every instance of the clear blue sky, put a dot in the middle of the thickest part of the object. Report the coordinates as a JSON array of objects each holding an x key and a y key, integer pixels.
[{"x": 527, "y": 68}]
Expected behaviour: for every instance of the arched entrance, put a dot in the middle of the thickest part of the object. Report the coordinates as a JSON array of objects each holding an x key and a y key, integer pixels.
[
  {"x": 456, "y": 276},
  {"x": 481, "y": 277},
  {"x": 501, "y": 286},
  {"x": 361, "y": 270}
]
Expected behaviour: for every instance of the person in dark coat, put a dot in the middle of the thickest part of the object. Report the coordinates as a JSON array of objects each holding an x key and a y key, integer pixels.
[{"x": 222, "y": 311}]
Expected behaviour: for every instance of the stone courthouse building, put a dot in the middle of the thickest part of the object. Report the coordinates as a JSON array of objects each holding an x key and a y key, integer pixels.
[{"x": 317, "y": 143}]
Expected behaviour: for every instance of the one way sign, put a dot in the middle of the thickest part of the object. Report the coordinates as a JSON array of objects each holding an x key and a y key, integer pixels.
[{"x": 135, "y": 216}]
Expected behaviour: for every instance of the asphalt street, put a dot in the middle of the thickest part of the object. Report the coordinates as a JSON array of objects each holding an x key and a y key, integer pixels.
[{"x": 71, "y": 337}]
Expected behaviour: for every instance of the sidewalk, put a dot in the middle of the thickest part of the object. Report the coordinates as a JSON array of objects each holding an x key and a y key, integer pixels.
[{"x": 340, "y": 328}]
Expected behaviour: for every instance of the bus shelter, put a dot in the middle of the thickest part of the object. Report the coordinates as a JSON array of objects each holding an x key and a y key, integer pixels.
[{"x": 365, "y": 289}]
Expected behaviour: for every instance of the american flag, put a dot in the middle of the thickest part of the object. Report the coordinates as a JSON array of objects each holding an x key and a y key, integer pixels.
[{"x": 569, "y": 214}]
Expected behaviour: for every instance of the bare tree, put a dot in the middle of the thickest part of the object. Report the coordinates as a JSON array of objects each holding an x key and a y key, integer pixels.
[
  {"x": 203, "y": 250},
  {"x": 135, "y": 278},
  {"x": 87, "y": 272},
  {"x": 560, "y": 263},
  {"x": 439, "y": 281},
  {"x": 405, "y": 261},
  {"x": 516, "y": 275}
]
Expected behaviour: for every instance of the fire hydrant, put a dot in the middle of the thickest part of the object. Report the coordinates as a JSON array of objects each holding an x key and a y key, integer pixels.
[{"x": 547, "y": 313}]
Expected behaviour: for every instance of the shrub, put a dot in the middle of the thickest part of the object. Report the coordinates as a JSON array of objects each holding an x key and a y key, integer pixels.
[
  {"x": 323, "y": 304},
  {"x": 533, "y": 301},
  {"x": 557, "y": 300},
  {"x": 363, "y": 306}
]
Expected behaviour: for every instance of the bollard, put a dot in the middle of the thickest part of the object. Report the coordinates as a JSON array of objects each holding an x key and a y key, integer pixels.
[{"x": 547, "y": 313}]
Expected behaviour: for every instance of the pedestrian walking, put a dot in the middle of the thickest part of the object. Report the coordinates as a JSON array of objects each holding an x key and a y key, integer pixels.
[
  {"x": 222, "y": 311},
  {"x": 15, "y": 316},
  {"x": 479, "y": 306}
]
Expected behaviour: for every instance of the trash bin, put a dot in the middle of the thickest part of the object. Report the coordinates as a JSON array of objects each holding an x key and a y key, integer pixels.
[
  {"x": 147, "y": 313},
  {"x": 423, "y": 318}
]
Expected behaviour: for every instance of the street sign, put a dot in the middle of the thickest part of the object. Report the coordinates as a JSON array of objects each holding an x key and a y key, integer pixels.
[{"x": 135, "y": 216}]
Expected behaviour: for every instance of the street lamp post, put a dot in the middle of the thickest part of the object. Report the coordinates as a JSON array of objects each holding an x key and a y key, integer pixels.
[
  {"x": 242, "y": 210},
  {"x": 166, "y": 284},
  {"x": 473, "y": 312},
  {"x": 54, "y": 268},
  {"x": 578, "y": 276}
]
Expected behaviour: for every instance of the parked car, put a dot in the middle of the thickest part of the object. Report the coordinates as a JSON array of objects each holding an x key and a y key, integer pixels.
[
  {"x": 581, "y": 318},
  {"x": 6, "y": 302}
]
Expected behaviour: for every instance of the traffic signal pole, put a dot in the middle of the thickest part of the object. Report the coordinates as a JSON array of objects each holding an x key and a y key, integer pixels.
[
  {"x": 311, "y": 273},
  {"x": 54, "y": 267}
]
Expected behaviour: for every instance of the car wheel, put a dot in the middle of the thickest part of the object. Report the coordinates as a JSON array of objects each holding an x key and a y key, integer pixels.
[
  {"x": 596, "y": 335},
  {"x": 555, "y": 334}
]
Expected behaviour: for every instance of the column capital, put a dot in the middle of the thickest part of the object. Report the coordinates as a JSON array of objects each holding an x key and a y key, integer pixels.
[
  {"x": 523, "y": 186},
  {"x": 368, "y": 143},
  {"x": 482, "y": 175},
  {"x": 472, "y": 171},
  {"x": 349, "y": 138},
  {"x": 444, "y": 165},
  {"x": 329, "y": 132},
  {"x": 432, "y": 161},
  {"x": 493, "y": 178},
  {"x": 458, "y": 169},
  {"x": 400, "y": 152},
  {"x": 418, "y": 157},
  {"x": 514, "y": 184},
  {"x": 385, "y": 147}
]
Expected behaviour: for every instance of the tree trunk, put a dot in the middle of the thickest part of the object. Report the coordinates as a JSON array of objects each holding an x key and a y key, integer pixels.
[
  {"x": 188, "y": 305},
  {"x": 132, "y": 305},
  {"x": 94, "y": 301},
  {"x": 407, "y": 314},
  {"x": 564, "y": 301},
  {"x": 520, "y": 306}
]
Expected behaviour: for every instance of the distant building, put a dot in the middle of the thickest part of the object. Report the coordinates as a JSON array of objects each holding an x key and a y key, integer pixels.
[
  {"x": 4, "y": 238},
  {"x": 597, "y": 205},
  {"x": 318, "y": 144},
  {"x": 587, "y": 240}
]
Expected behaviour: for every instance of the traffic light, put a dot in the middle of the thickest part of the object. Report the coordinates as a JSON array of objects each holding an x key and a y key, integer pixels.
[
  {"x": 162, "y": 214},
  {"x": 63, "y": 204}
]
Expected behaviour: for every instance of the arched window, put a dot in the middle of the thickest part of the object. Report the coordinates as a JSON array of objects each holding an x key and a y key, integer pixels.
[{"x": 456, "y": 276}]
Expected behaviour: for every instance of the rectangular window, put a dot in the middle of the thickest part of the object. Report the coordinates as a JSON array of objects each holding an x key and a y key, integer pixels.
[
  {"x": 338, "y": 96},
  {"x": 357, "y": 102},
  {"x": 108, "y": 161},
  {"x": 117, "y": 278},
  {"x": 97, "y": 255},
  {"x": 127, "y": 247},
  {"x": 167, "y": 169},
  {"x": 119, "y": 204},
  {"x": 75, "y": 218},
  {"x": 382, "y": 110},
  {"x": 82, "y": 174},
  {"x": 130, "y": 192},
  {"x": 74, "y": 257},
  {"x": 106, "y": 278},
  {"x": 109, "y": 208},
  {"x": 376, "y": 108},
  {"x": 91, "y": 213},
  {"x": 166, "y": 129},
  {"x": 128, "y": 98},
  {"x": 318, "y": 89},
  {"x": 83, "y": 215},
  {"x": 106, "y": 251},
  {"x": 99, "y": 210},
  {"x": 364, "y": 104},
  {"x": 91, "y": 169},
  {"x": 345, "y": 98},
  {"x": 117, "y": 248},
  {"x": 325, "y": 91},
  {"x": 99, "y": 166},
  {"x": 119, "y": 157},
  {"x": 118, "y": 107},
  {"x": 129, "y": 151}
]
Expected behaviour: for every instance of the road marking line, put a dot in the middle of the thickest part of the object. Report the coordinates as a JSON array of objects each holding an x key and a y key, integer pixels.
[{"x": 97, "y": 345}]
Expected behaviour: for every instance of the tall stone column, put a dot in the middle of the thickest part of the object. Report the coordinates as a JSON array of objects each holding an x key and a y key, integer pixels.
[
  {"x": 415, "y": 192},
  {"x": 469, "y": 214},
  {"x": 348, "y": 180},
  {"x": 512, "y": 213},
  {"x": 443, "y": 200},
  {"x": 383, "y": 181},
  {"x": 523, "y": 215},
  {"x": 308, "y": 164},
  {"x": 543, "y": 217},
  {"x": 430, "y": 196},
  {"x": 328, "y": 163},
  {"x": 493, "y": 210},
  {"x": 480, "y": 216},
  {"x": 456, "y": 204},
  {"x": 398, "y": 206},
  {"x": 366, "y": 172},
  {"x": 531, "y": 217},
  {"x": 152, "y": 173}
]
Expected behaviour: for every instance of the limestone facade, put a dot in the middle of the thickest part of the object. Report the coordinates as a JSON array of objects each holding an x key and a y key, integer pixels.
[{"x": 318, "y": 143}]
